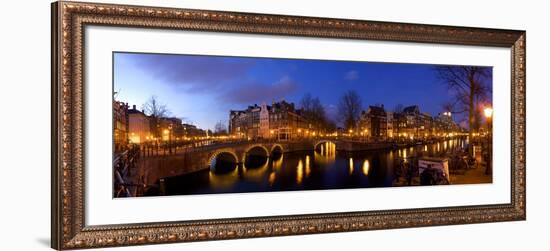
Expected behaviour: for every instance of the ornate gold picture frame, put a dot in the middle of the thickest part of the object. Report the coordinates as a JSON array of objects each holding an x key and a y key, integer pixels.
[{"x": 69, "y": 230}]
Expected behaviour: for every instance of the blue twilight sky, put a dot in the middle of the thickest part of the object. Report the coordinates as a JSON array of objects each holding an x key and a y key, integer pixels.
[{"x": 202, "y": 89}]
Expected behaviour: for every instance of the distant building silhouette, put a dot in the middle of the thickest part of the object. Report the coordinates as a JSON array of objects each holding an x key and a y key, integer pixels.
[{"x": 280, "y": 120}]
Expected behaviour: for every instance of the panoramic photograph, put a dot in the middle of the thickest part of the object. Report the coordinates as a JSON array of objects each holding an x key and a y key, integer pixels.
[{"x": 203, "y": 124}]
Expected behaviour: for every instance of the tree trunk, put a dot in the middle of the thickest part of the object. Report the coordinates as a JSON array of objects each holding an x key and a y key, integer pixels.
[{"x": 471, "y": 115}]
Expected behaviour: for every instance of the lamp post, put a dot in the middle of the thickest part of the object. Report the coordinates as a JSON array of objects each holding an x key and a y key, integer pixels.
[
  {"x": 170, "y": 139},
  {"x": 168, "y": 133},
  {"x": 488, "y": 112}
]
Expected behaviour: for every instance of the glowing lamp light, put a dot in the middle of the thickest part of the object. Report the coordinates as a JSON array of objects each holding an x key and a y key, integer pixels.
[{"x": 488, "y": 112}]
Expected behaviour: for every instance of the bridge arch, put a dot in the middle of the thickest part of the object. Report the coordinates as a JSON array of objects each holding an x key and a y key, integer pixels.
[
  {"x": 256, "y": 150},
  {"x": 276, "y": 152},
  {"x": 227, "y": 155},
  {"x": 276, "y": 147},
  {"x": 322, "y": 142}
]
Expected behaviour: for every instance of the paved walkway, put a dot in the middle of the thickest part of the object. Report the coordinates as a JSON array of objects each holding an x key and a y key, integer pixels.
[{"x": 472, "y": 176}]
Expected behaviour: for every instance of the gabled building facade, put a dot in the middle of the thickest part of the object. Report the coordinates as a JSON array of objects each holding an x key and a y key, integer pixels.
[
  {"x": 373, "y": 123},
  {"x": 138, "y": 126},
  {"x": 280, "y": 120}
]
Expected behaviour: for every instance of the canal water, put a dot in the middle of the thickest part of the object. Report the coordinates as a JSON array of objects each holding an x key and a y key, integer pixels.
[{"x": 324, "y": 168}]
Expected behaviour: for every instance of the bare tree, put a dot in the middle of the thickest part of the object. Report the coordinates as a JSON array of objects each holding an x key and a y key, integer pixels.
[
  {"x": 470, "y": 88},
  {"x": 314, "y": 111},
  {"x": 330, "y": 126},
  {"x": 306, "y": 102},
  {"x": 156, "y": 111},
  {"x": 349, "y": 109},
  {"x": 220, "y": 128},
  {"x": 154, "y": 108},
  {"x": 453, "y": 107},
  {"x": 398, "y": 108}
]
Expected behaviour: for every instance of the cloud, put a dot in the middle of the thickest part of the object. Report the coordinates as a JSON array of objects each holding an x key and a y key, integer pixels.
[
  {"x": 351, "y": 75},
  {"x": 192, "y": 73},
  {"x": 255, "y": 92},
  {"x": 227, "y": 78}
]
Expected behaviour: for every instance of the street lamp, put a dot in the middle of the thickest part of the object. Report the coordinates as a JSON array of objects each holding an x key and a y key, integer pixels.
[
  {"x": 168, "y": 132},
  {"x": 488, "y": 112}
]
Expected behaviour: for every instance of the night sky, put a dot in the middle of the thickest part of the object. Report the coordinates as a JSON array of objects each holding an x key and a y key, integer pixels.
[{"x": 202, "y": 89}]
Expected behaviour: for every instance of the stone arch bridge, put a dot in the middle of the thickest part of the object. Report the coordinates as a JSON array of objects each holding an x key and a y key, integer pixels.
[{"x": 238, "y": 153}]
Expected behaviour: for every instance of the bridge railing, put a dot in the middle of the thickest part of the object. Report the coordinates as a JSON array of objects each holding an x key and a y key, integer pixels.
[
  {"x": 123, "y": 164},
  {"x": 153, "y": 149}
]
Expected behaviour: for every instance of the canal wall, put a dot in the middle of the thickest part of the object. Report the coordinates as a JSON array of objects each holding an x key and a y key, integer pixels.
[{"x": 151, "y": 169}]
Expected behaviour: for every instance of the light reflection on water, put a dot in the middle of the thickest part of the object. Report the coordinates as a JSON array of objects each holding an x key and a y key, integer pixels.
[
  {"x": 350, "y": 166},
  {"x": 223, "y": 180},
  {"x": 324, "y": 168},
  {"x": 300, "y": 172},
  {"x": 308, "y": 168},
  {"x": 366, "y": 167},
  {"x": 255, "y": 173}
]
